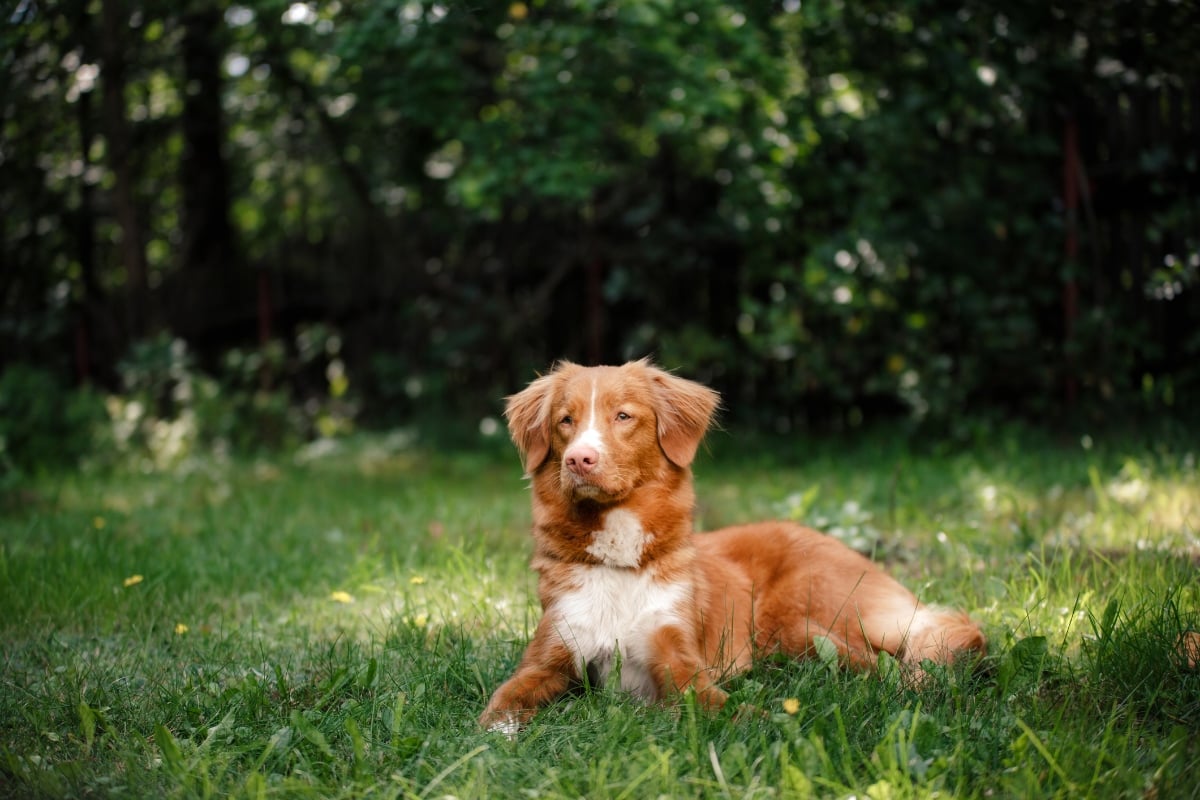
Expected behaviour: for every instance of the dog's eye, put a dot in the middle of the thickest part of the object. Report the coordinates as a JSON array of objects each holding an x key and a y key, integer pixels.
[
  {"x": 623, "y": 417},
  {"x": 566, "y": 420}
]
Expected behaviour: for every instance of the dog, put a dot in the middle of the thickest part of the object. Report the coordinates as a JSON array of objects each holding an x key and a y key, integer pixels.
[{"x": 627, "y": 588}]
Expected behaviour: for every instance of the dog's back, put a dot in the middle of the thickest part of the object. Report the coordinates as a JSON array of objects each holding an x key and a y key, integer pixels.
[{"x": 803, "y": 584}]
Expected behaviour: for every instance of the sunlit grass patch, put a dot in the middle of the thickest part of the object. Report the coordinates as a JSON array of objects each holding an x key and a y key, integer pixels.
[{"x": 332, "y": 627}]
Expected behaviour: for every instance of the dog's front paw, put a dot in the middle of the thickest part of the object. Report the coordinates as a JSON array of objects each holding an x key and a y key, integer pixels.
[
  {"x": 507, "y": 723},
  {"x": 709, "y": 697}
]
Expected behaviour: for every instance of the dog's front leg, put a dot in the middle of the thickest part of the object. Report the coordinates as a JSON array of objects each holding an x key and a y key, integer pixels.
[
  {"x": 546, "y": 671},
  {"x": 677, "y": 664}
]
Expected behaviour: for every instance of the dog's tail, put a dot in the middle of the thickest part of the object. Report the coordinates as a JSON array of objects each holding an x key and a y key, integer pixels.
[{"x": 942, "y": 635}]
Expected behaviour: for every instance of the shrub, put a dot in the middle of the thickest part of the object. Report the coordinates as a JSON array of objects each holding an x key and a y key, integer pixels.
[
  {"x": 43, "y": 422},
  {"x": 263, "y": 398}
]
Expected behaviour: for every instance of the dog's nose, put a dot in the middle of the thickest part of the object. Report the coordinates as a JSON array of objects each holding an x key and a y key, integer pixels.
[{"x": 581, "y": 459}]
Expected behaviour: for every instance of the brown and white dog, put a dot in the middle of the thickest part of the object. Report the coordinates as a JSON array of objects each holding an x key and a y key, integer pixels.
[{"x": 624, "y": 580}]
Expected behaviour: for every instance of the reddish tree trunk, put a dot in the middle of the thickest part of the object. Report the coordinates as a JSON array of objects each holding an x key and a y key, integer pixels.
[
  {"x": 595, "y": 311},
  {"x": 1070, "y": 295}
]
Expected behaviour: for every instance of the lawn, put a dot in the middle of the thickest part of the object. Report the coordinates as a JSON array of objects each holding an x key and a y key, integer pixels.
[{"x": 330, "y": 623}]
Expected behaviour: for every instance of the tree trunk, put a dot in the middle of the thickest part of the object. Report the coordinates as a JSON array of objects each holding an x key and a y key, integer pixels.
[
  {"x": 209, "y": 280},
  {"x": 85, "y": 243},
  {"x": 115, "y": 22},
  {"x": 594, "y": 320}
]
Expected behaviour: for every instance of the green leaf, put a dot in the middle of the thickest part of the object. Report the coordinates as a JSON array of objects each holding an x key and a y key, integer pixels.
[
  {"x": 87, "y": 724},
  {"x": 172, "y": 755},
  {"x": 358, "y": 746},
  {"x": 1108, "y": 621},
  {"x": 310, "y": 732},
  {"x": 1023, "y": 663},
  {"x": 827, "y": 652}
]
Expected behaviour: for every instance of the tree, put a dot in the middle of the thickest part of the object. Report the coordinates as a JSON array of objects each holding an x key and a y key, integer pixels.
[
  {"x": 119, "y": 149},
  {"x": 829, "y": 210},
  {"x": 210, "y": 265}
]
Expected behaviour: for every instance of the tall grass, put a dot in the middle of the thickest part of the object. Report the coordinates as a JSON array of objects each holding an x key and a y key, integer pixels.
[{"x": 331, "y": 626}]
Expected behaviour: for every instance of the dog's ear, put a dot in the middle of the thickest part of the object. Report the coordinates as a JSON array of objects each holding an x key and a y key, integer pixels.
[
  {"x": 685, "y": 410},
  {"x": 528, "y": 415}
]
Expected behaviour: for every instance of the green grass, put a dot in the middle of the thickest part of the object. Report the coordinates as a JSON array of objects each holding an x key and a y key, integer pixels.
[{"x": 235, "y": 668}]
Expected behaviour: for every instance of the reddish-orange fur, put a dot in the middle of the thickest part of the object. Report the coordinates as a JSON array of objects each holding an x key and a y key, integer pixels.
[{"x": 614, "y": 518}]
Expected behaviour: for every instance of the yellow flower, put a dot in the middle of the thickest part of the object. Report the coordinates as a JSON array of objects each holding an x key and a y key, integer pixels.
[
  {"x": 421, "y": 620},
  {"x": 341, "y": 597},
  {"x": 791, "y": 705},
  {"x": 416, "y": 580},
  {"x": 98, "y": 523},
  {"x": 133, "y": 580},
  {"x": 180, "y": 629}
]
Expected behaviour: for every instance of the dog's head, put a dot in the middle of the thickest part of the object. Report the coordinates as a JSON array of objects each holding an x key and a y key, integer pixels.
[{"x": 604, "y": 431}]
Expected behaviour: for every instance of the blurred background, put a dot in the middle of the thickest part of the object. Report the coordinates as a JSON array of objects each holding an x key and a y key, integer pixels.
[{"x": 262, "y": 222}]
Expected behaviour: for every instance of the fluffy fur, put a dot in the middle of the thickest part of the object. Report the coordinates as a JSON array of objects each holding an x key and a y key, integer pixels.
[{"x": 625, "y": 581}]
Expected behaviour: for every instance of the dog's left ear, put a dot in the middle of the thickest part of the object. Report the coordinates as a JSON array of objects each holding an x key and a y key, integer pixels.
[
  {"x": 528, "y": 415},
  {"x": 685, "y": 410}
]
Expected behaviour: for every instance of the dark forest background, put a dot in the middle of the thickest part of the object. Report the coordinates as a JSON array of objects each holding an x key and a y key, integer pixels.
[{"x": 305, "y": 214}]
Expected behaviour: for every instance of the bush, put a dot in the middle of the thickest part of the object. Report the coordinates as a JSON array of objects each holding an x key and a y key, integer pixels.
[
  {"x": 43, "y": 422},
  {"x": 264, "y": 398}
]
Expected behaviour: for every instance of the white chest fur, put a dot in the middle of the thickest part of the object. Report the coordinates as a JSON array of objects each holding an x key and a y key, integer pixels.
[
  {"x": 621, "y": 541},
  {"x": 613, "y": 615}
]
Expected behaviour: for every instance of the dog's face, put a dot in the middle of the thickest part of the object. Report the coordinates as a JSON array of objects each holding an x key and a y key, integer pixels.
[{"x": 603, "y": 431}]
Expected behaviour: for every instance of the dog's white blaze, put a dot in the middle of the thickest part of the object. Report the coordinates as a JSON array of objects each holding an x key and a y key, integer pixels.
[
  {"x": 621, "y": 541},
  {"x": 590, "y": 435},
  {"x": 612, "y": 615}
]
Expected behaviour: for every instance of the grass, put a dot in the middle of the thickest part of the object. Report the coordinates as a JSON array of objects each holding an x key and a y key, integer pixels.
[{"x": 332, "y": 626}]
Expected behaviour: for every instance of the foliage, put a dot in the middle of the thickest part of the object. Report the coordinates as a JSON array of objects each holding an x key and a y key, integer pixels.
[
  {"x": 332, "y": 626},
  {"x": 43, "y": 424},
  {"x": 270, "y": 398},
  {"x": 832, "y": 211}
]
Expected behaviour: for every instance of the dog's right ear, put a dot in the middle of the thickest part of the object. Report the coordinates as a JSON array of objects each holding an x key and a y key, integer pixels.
[
  {"x": 528, "y": 415},
  {"x": 685, "y": 410}
]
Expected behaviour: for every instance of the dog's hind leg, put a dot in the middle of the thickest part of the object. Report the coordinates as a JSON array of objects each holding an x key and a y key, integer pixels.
[{"x": 812, "y": 640}]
